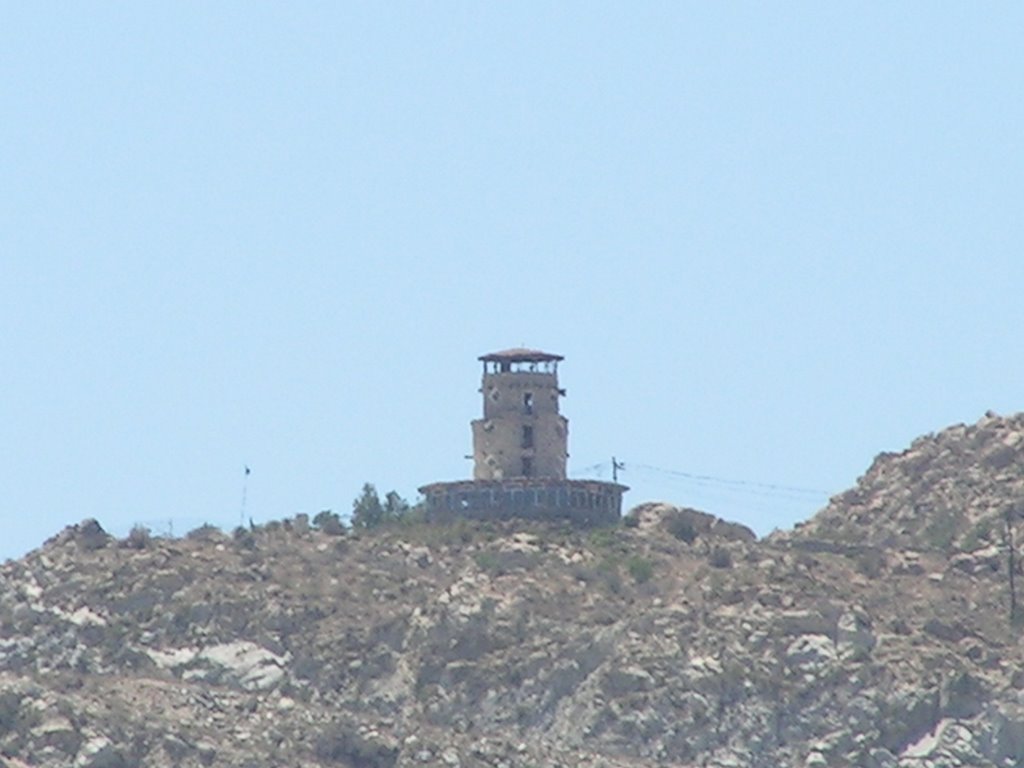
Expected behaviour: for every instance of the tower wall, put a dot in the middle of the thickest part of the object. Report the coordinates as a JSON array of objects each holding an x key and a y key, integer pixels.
[{"x": 522, "y": 433}]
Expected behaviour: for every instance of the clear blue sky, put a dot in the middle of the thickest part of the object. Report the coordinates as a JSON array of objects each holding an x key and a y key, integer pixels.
[{"x": 771, "y": 240}]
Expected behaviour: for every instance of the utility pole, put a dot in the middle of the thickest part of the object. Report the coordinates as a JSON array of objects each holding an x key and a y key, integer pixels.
[
  {"x": 616, "y": 466},
  {"x": 1011, "y": 564},
  {"x": 245, "y": 488}
]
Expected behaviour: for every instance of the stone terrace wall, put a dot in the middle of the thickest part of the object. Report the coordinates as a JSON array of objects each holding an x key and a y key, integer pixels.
[{"x": 583, "y": 502}]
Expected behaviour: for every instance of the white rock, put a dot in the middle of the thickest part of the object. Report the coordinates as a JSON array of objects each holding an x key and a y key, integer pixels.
[
  {"x": 285, "y": 704},
  {"x": 176, "y": 657},
  {"x": 31, "y": 590},
  {"x": 253, "y": 667},
  {"x": 247, "y": 664},
  {"x": 854, "y": 638},
  {"x": 84, "y": 616},
  {"x": 811, "y": 652},
  {"x": 90, "y": 749},
  {"x": 706, "y": 665},
  {"x": 804, "y": 623}
]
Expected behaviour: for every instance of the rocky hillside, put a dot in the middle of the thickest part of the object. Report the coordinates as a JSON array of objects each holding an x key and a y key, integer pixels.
[
  {"x": 947, "y": 491},
  {"x": 673, "y": 640}
]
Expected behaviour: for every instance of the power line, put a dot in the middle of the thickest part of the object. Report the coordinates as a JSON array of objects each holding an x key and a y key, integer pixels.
[
  {"x": 734, "y": 482},
  {"x": 754, "y": 487}
]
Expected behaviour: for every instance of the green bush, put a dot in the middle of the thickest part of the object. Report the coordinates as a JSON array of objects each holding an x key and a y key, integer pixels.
[
  {"x": 204, "y": 532},
  {"x": 682, "y": 528},
  {"x": 344, "y": 744},
  {"x": 488, "y": 561},
  {"x": 415, "y": 516},
  {"x": 720, "y": 557},
  {"x": 502, "y": 562},
  {"x": 243, "y": 538},
  {"x": 602, "y": 538},
  {"x": 640, "y": 568},
  {"x": 610, "y": 575},
  {"x": 329, "y": 523},
  {"x": 10, "y": 707},
  {"x": 981, "y": 532},
  {"x": 138, "y": 538},
  {"x": 369, "y": 512},
  {"x": 871, "y": 563},
  {"x": 941, "y": 532}
]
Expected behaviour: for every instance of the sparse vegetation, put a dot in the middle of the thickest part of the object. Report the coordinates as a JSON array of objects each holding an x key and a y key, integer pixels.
[
  {"x": 486, "y": 561},
  {"x": 138, "y": 538},
  {"x": 640, "y": 568},
  {"x": 369, "y": 512},
  {"x": 681, "y": 527},
  {"x": 720, "y": 557},
  {"x": 347, "y": 746},
  {"x": 609, "y": 574},
  {"x": 941, "y": 531},
  {"x": 243, "y": 538},
  {"x": 10, "y": 707},
  {"x": 415, "y": 516},
  {"x": 602, "y": 538},
  {"x": 328, "y": 522},
  {"x": 497, "y": 563},
  {"x": 979, "y": 535},
  {"x": 871, "y": 563},
  {"x": 352, "y": 644},
  {"x": 204, "y": 532}
]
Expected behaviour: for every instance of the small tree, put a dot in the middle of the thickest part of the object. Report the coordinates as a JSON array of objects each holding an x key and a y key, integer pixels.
[
  {"x": 369, "y": 512},
  {"x": 329, "y": 523},
  {"x": 138, "y": 538},
  {"x": 640, "y": 568},
  {"x": 395, "y": 507}
]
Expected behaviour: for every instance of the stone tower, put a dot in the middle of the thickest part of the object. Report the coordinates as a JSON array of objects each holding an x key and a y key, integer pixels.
[
  {"x": 519, "y": 452},
  {"x": 521, "y": 434}
]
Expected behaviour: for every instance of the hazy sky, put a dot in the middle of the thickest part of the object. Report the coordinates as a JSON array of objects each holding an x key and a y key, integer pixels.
[{"x": 771, "y": 240}]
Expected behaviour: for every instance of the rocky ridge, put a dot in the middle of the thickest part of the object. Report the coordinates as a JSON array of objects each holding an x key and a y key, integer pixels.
[
  {"x": 675, "y": 639},
  {"x": 947, "y": 491}
]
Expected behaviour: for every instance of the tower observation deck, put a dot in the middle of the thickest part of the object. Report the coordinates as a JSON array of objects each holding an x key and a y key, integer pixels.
[{"x": 520, "y": 447}]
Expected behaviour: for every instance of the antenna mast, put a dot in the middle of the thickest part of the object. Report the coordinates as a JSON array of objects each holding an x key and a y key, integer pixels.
[{"x": 245, "y": 488}]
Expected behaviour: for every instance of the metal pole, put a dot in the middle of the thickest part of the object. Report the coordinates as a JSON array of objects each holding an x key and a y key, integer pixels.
[
  {"x": 616, "y": 466},
  {"x": 1012, "y": 567},
  {"x": 245, "y": 488}
]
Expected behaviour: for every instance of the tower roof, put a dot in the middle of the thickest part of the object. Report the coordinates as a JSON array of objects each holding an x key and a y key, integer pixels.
[{"x": 520, "y": 355}]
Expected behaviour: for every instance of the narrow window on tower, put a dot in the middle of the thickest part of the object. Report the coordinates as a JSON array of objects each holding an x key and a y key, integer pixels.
[
  {"x": 528, "y": 403},
  {"x": 527, "y": 466},
  {"x": 527, "y": 437}
]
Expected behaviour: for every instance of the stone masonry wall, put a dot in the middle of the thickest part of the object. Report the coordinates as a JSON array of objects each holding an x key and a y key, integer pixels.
[
  {"x": 522, "y": 433},
  {"x": 584, "y": 502}
]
